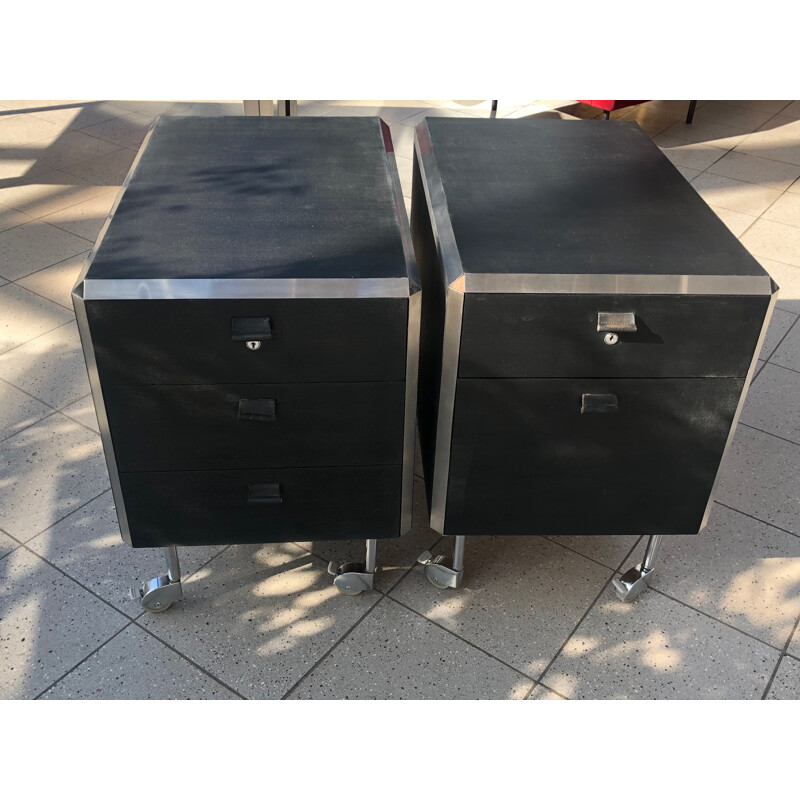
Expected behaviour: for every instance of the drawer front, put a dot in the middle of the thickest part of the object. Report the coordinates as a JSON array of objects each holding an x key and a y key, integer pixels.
[
  {"x": 255, "y": 425},
  {"x": 140, "y": 342},
  {"x": 253, "y": 506},
  {"x": 586, "y": 456},
  {"x": 537, "y": 335}
]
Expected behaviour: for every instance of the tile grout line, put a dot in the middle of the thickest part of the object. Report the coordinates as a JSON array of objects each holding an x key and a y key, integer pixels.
[
  {"x": 42, "y": 269},
  {"x": 588, "y": 611},
  {"x": 757, "y": 519},
  {"x": 554, "y": 540},
  {"x": 767, "y": 433},
  {"x": 84, "y": 660},
  {"x": 777, "y": 346},
  {"x": 784, "y": 652},
  {"x": 68, "y": 514},
  {"x": 308, "y": 672},
  {"x": 39, "y": 336}
]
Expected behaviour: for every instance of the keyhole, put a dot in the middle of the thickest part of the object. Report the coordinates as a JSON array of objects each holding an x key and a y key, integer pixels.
[
  {"x": 253, "y": 345},
  {"x": 611, "y": 338}
]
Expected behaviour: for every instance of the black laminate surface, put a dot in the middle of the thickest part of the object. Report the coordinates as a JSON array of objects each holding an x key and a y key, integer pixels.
[
  {"x": 568, "y": 197},
  {"x": 257, "y": 197},
  {"x": 526, "y": 460}
]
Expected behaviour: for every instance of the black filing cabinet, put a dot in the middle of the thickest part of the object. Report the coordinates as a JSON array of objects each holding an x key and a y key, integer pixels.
[
  {"x": 589, "y": 327},
  {"x": 249, "y": 319}
]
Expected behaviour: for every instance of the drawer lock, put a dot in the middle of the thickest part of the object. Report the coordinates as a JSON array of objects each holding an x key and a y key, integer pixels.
[
  {"x": 615, "y": 323},
  {"x": 251, "y": 330}
]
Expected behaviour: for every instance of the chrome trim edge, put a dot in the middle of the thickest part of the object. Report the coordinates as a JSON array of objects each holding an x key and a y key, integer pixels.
[
  {"x": 235, "y": 288},
  {"x": 735, "y": 422},
  {"x": 529, "y": 283},
  {"x": 410, "y": 421},
  {"x": 102, "y": 417}
]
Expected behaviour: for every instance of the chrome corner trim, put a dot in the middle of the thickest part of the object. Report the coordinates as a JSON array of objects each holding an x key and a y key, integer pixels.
[
  {"x": 742, "y": 398},
  {"x": 532, "y": 283},
  {"x": 451, "y": 346},
  {"x": 437, "y": 205},
  {"x": 396, "y": 190},
  {"x": 117, "y": 201},
  {"x": 102, "y": 416},
  {"x": 234, "y": 288},
  {"x": 410, "y": 421}
]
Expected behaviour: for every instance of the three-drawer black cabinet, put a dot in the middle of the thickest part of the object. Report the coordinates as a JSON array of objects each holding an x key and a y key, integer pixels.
[
  {"x": 589, "y": 328},
  {"x": 249, "y": 319}
]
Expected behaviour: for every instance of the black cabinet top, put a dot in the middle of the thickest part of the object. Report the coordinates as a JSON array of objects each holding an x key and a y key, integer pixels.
[
  {"x": 561, "y": 197},
  {"x": 258, "y": 197}
]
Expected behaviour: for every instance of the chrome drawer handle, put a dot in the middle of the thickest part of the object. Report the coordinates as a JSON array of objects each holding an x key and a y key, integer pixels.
[{"x": 616, "y": 322}]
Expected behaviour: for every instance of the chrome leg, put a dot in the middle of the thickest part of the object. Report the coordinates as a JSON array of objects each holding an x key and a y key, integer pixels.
[
  {"x": 287, "y": 108},
  {"x": 258, "y": 108},
  {"x": 493, "y": 112},
  {"x": 637, "y": 579},
  {"x": 352, "y": 577},
  {"x": 439, "y": 573},
  {"x": 158, "y": 594}
]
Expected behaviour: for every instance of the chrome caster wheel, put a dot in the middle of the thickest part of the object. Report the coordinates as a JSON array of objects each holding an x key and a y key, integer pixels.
[
  {"x": 350, "y": 578},
  {"x": 439, "y": 573},
  {"x": 638, "y": 578},
  {"x": 158, "y": 594}
]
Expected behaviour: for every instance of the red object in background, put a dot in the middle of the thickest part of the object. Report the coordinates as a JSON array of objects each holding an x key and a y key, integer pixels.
[{"x": 612, "y": 105}]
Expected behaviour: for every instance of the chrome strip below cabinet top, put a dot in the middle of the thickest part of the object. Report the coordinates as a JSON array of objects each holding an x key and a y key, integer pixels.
[
  {"x": 531, "y": 283},
  {"x": 244, "y": 288}
]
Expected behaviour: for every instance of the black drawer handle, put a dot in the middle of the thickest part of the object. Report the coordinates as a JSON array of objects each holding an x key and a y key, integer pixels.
[
  {"x": 257, "y": 410},
  {"x": 251, "y": 329},
  {"x": 262, "y": 493},
  {"x": 599, "y": 404}
]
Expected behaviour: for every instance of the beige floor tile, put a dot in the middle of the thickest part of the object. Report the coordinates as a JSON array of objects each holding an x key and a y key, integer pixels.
[
  {"x": 394, "y": 556},
  {"x": 795, "y": 187},
  {"x": 47, "y": 471},
  {"x": 767, "y": 106},
  {"x": 136, "y": 666},
  {"x": 7, "y": 545},
  {"x": 710, "y": 133},
  {"x": 76, "y": 115},
  {"x": 16, "y": 164},
  {"x": 747, "y": 198},
  {"x": 402, "y": 139},
  {"x": 779, "y": 326},
  {"x": 396, "y": 654},
  {"x": 18, "y": 410},
  {"x": 541, "y": 692},
  {"x": 48, "y": 624},
  {"x": 72, "y": 147},
  {"x": 56, "y": 282},
  {"x": 125, "y": 131},
  {"x": 51, "y": 367},
  {"x": 25, "y": 315},
  {"x": 389, "y": 111},
  {"x": 84, "y": 219},
  {"x": 87, "y": 545},
  {"x": 35, "y": 245},
  {"x": 752, "y": 169},
  {"x": 436, "y": 112},
  {"x": 405, "y": 168},
  {"x": 659, "y": 649},
  {"x": 648, "y": 119},
  {"x": 785, "y": 209},
  {"x": 83, "y": 411},
  {"x": 788, "y": 279},
  {"x": 18, "y": 129},
  {"x": 759, "y": 477},
  {"x": 787, "y": 354},
  {"x": 521, "y": 597},
  {"x": 744, "y": 120},
  {"x": 682, "y": 154},
  {"x": 9, "y": 218},
  {"x": 688, "y": 173},
  {"x": 259, "y": 617},
  {"x": 771, "y": 403},
  {"x": 107, "y": 170},
  {"x": 773, "y": 240},
  {"x": 737, "y": 222},
  {"x": 786, "y": 685},
  {"x": 737, "y": 570},
  {"x": 45, "y": 194},
  {"x": 794, "y": 645},
  {"x": 778, "y": 140},
  {"x": 608, "y": 550}
]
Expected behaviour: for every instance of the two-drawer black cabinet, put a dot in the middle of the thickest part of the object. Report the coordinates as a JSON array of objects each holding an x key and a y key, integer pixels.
[
  {"x": 249, "y": 318},
  {"x": 589, "y": 327}
]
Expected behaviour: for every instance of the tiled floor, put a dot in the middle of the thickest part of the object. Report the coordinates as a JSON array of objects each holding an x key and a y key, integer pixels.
[{"x": 536, "y": 617}]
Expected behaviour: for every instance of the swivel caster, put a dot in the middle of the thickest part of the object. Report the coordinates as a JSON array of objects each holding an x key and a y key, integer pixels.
[
  {"x": 353, "y": 577},
  {"x": 160, "y": 593},
  {"x": 442, "y": 572},
  {"x": 638, "y": 578}
]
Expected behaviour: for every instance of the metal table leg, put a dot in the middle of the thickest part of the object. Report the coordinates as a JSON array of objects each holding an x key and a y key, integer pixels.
[
  {"x": 352, "y": 578},
  {"x": 439, "y": 573},
  {"x": 158, "y": 594},
  {"x": 637, "y": 579}
]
